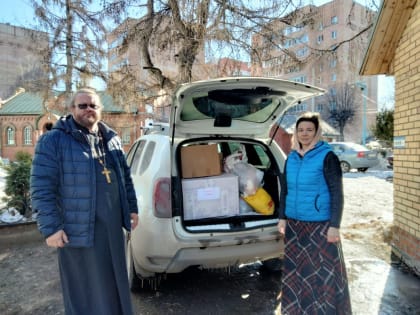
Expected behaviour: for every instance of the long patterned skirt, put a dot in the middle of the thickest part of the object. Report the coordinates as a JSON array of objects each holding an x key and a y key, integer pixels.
[{"x": 314, "y": 277}]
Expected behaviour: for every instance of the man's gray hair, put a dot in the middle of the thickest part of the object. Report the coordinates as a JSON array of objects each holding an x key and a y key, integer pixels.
[{"x": 85, "y": 90}]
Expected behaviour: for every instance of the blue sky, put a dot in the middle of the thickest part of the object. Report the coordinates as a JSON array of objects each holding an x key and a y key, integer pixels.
[{"x": 16, "y": 12}]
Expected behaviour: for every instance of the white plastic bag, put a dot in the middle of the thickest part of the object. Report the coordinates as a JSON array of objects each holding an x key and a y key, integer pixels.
[
  {"x": 231, "y": 160},
  {"x": 250, "y": 178}
]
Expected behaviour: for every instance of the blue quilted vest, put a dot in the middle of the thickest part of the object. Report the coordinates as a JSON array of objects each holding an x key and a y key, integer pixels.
[{"x": 308, "y": 197}]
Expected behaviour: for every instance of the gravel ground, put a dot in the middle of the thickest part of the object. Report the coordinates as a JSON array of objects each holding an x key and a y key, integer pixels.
[{"x": 29, "y": 282}]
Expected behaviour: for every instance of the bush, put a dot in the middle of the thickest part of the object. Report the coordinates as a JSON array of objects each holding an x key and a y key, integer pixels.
[{"x": 17, "y": 182}]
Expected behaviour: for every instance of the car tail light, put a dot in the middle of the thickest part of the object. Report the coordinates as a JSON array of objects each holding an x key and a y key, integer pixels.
[
  {"x": 361, "y": 154},
  {"x": 162, "y": 198}
]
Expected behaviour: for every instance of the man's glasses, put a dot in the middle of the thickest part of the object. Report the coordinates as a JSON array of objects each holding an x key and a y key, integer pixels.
[{"x": 84, "y": 106}]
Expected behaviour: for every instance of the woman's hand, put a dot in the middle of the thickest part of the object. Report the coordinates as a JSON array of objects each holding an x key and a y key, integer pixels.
[
  {"x": 333, "y": 235},
  {"x": 282, "y": 226}
]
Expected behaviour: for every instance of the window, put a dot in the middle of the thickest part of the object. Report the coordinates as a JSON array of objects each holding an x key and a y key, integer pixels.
[
  {"x": 288, "y": 43},
  {"x": 293, "y": 69},
  {"x": 125, "y": 137},
  {"x": 147, "y": 157},
  {"x": 301, "y": 79},
  {"x": 303, "y": 39},
  {"x": 334, "y": 20},
  {"x": 334, "y": 34},
  {"x": 333, "y": 63},
  {"x": 10, "y": 135},
  {"x": 333, "y": 77},
  {"x": 320, "y": 39},
  {"x": 298, "y": 108},
  {"x": 291, "y": 29},
  {"x": 302, "y": 52},
  {"x": 27, "y": 135},
  {"x": 320, "y": 26},
  {"x": 320, "y": 108},
  {"x": 134, "y": 155},
  {"x": 117, "y": 42}
]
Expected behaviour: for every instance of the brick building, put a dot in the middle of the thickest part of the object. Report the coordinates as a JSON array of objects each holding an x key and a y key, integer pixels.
[
  {"x": 25, "y": 116},
  {"x": 320, "y": 49},
  {"x": 394, "y": 50},
  {"x": 20, "y": 58}
]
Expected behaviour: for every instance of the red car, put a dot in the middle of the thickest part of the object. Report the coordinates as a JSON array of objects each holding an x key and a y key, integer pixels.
[{"x": 390, "y": 160}]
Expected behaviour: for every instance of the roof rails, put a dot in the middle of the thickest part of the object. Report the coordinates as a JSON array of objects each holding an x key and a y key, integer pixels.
[{"x": 152, "y": 127}]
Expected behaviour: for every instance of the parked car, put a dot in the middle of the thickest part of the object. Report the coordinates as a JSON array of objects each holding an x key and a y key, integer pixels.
[
  {"x": 377, "y": 145},
  {"x": 194, "y": 216},
  {"x": 354, "y": 156},
  {"x": 390, "y": 160}
]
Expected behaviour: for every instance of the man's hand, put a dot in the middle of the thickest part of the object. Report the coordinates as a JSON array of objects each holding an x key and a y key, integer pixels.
[
  {"x": 58, "y": 239},
  {"x": 134, "y": 220}
]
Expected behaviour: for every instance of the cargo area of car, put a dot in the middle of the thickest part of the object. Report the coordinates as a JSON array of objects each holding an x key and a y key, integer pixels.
[{"x": 226, "y": 184}]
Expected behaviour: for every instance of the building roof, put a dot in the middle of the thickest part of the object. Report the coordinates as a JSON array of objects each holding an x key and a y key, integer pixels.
[
  {"x": 389, "y": 27},
  {"x": 28, "y": 103},
  {"x": 24, "y": 103}
]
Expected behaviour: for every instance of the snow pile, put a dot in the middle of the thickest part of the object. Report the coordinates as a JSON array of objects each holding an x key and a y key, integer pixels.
[{"x": 10, "y": 215}]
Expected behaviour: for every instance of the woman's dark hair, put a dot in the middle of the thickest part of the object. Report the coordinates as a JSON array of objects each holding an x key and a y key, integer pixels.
[{"x": 313, "y": 118}]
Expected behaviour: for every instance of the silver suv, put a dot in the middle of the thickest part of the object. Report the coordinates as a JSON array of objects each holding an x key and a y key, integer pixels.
[{"x": 192, "y": 209}]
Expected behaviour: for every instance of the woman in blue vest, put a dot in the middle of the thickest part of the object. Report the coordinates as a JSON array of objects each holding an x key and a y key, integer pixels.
[{"x": 314, "y": 279}]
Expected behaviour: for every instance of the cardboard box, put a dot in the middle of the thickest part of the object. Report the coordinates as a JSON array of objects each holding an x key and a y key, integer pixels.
[
  {"x": 208, "y": 197},
  {"x": 200, "y": 161}
]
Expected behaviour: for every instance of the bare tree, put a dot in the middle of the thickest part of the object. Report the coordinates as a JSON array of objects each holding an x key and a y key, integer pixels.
[
  {"x": 190, "y": 28},
  {"x": 187, "y": 30},
  {"x": 76, "y": 49},
  {"x": 341, "y": 106}
]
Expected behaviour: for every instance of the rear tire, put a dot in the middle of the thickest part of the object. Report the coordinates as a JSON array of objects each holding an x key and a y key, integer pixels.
[
  {"x": 345, "y": 167},
  {"x": 133, "y": 280},
  {"x": 273, "y": 264}
]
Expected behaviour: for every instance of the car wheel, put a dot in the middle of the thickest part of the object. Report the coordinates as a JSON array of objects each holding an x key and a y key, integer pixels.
[
  {"x": 133, "y": 280},
  {"x": 273, "y": 264},
  {"x": 345, "y": 167},
  {"x": 362, "y": 169}
]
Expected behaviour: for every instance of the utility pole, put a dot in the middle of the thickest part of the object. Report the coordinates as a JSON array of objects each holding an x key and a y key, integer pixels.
[{"x": 363, "y": 87}]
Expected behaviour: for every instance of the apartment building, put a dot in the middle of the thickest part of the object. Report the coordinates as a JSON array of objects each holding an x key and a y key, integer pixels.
[
  {"x": 20, "y": 58},
  {"x": 324, "y": 47}
]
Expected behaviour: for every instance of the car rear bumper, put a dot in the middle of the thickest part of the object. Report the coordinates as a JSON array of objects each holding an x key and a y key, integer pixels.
[
  {"x": 214, "y": 257},
  {"x": 365, "y": 163}
]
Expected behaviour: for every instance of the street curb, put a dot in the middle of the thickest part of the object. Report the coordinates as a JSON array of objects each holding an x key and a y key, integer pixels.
[{"x": 19, "y": 233}]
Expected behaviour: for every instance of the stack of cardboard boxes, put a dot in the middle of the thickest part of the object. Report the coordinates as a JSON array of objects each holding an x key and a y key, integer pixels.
[{"x": 207, "y": 192}]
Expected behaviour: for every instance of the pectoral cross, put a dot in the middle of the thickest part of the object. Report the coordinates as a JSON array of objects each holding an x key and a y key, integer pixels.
[{"x": 106, "y": 173}]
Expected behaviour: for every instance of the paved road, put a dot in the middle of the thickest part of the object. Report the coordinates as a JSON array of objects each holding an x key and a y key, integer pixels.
[{"x": 29, "y": 285}]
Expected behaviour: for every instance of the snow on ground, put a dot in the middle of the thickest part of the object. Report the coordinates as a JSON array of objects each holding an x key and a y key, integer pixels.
[
  {"x": 368, "y": 213},
  {"x": 7, "y": 215}
]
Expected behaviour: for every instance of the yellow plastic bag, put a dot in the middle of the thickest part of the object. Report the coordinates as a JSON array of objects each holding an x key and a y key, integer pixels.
[{"x": 261, "y": 202}]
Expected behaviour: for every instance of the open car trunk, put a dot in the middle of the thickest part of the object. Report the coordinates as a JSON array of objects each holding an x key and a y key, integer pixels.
[{"x": 227, "y": 184}]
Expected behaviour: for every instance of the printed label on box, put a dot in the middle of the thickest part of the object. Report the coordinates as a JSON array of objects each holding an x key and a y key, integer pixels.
[
  {"x": 210, "y": 193},
  {"x": 208, "y": 197}
]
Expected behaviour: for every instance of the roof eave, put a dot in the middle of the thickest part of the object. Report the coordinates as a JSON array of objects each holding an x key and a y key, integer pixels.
[{"x": 389, "y": 27}]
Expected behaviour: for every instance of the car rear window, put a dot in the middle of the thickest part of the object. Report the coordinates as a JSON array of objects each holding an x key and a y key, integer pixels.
[{"x": 254, "y": 105}]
